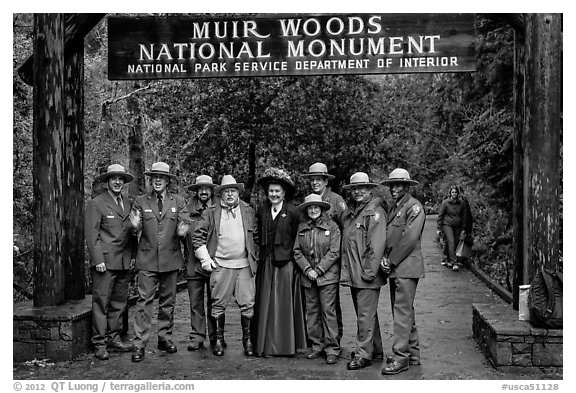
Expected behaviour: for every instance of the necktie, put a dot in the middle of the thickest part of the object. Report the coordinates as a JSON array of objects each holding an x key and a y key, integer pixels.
[
  {"x": 119, "y": 202},
  {"x": 160, "y": 203}
]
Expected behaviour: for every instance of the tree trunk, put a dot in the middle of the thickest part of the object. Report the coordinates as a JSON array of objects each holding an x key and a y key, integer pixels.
[
  {"x": 73, "y": 176},
  {"x": 48, "y": 138},
  {"x": 543, "y": 99},
  {"x": 136, "y": 151}
]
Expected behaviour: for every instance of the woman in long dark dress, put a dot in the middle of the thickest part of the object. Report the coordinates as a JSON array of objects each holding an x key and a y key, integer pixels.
[{"x": 279, "y": 310}]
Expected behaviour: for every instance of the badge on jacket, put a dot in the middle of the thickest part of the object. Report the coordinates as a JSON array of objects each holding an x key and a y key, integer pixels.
[
  {"x": 173, "y": 210},
  {"x": 327, "y": 233}
]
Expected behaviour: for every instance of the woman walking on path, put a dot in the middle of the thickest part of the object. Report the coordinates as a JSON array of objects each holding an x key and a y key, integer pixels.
[
  {"x": 453, "y": 219},
  {"x": 317, "y": 253},
  {"x": 279, "y": 311}
]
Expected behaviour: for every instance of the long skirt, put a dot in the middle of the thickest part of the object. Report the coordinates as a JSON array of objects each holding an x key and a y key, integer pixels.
[{"x": 280, "y": 326}]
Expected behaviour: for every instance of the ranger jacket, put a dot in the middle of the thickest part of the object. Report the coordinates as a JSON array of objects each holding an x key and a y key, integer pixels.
[
  {"x": 405, "y": 224},
  {"x": 363, "y": 243},
  {"x": 318, "y": 247},
  {"x": 159, "y": 246},
  {"x": 108, "y": 232}
]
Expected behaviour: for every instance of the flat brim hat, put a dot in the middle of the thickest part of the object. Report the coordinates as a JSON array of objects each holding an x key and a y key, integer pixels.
[
  {"x": 314, "y": 199},
  {"x": 359, "y": 179},
  {"x": 160, "y": 168},
  {"x": 399, "y": 175},
  {"x": 116, "y": 170},
  {"x": 228, "y": 182},
  {"x": 318, "y": 169},
  {"x": 202, "y": 180},
  {"x": 278, "y": 176}
]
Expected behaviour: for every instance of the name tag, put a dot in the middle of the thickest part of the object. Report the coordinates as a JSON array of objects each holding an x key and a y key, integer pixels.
[
  {"x": 109, "y": 216},
  {"x": 327, "y": 233},
  {"x": 147, "y": 210}
]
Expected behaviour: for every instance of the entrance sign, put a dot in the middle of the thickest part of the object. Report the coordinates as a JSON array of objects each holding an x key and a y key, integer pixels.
[{"x": 282, "y": 45}]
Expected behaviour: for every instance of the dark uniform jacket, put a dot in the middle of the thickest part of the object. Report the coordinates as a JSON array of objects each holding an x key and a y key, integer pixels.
[
  {"x": 195, "y": 209},
  {"x": 108, "y": 232},
  {"x": 208, "y": 231},
  {"x": 337, "y": 205},
  {"x": 318, "y": 247},
  {"x": 287, "y": 219},
  {"x": 405, "y": 224},
  {"x": 159, "y": 246},
  {"x": 363, "y": 243}
]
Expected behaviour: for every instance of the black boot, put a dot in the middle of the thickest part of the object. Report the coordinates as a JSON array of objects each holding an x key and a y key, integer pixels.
[
  {"x": 218, "y": 348},
  {"x": 246, "y": 339}
]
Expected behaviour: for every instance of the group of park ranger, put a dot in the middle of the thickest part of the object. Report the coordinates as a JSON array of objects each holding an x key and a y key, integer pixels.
[{"x": 360, "y": 242}]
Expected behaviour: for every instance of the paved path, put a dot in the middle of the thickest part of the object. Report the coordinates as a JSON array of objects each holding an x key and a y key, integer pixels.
[{"x": 444, "y": 318}]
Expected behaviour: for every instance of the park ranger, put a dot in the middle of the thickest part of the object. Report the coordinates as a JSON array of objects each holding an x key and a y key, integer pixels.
[
  {"x": 404, "y": 265},
  {"x": 111, "y": 245},
  {"x": 363, "y": 244},
  {"x": 162, "y": 220},
  {"x": 318, "y": 177}
]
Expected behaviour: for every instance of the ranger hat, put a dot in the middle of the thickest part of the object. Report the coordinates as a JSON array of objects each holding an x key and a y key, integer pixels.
[
  {"x": 202, "y": 180},
  {"x": 318, "y": 169},
  {"x": 399, "y": 175},
  {"x": 160, "y": 168},
  {"x": 116, "y": 170},
  {"x": 229, "y": 182},
  {"x": 314, "y": 199},
  {"x": 360, "y": 179}
]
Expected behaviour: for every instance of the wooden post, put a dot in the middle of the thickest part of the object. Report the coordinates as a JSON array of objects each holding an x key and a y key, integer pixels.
[
  {"x": 48, "y": 130},
  {"x": 73, "y": 175},
  {"x": 520, "y": 253},
  {"x": 542, "y": 129}
]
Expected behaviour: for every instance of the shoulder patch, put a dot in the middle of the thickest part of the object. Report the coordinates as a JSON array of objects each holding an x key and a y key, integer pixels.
[
  {"x": 343, "y": 205},
  {"x": 416, "y": 209},
  {"x": 376, "y": 216}
]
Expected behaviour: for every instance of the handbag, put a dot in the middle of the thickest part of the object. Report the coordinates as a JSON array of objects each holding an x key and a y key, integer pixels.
[
  {"x": 464, "y": 249},
  {"x": 545, "y": 299}
]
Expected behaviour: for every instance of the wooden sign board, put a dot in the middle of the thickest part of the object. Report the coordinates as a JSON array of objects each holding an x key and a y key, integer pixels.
[{"x": 282, "y": 45}]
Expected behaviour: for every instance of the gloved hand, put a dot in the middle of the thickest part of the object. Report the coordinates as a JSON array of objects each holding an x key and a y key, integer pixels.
[
  {"x": 206, "y": 261},
  {"x": 208, "y": 264}
]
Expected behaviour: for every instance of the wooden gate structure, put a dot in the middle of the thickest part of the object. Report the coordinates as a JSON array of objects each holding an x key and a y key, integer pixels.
[{"x": 56, "y": 71}]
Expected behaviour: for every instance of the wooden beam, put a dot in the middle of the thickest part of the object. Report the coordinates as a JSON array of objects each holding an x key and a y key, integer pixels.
[
  {"x": 541, "y": 137},
  {"x": 48, "y": 136},
  {"x": 73, "y": 175},
  {"x": 76, "y": 28},
  {"x": 520, "y": 277}
]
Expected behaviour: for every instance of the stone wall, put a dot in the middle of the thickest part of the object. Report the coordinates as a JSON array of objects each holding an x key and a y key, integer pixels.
[
  {"x": 55, "y": 333},
  {"x": 510, "y": 344}
]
